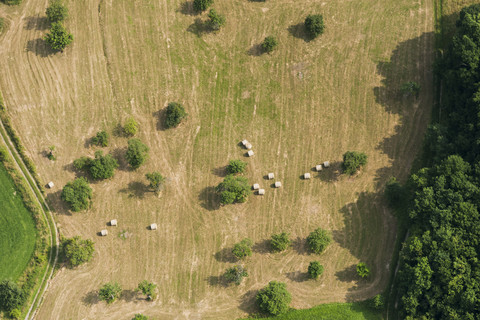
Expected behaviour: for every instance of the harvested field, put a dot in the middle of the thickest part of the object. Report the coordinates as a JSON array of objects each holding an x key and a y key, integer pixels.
[{"x": 307, "y": 102}]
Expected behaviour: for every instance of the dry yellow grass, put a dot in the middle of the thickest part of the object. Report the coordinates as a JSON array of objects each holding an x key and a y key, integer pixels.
[{"x": 307, "y": 102}]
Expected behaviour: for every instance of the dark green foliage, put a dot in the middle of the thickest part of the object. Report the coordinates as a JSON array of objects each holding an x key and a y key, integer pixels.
[
  {"x": 174, "y": 114},
  {"x": 109, "y": 292},
  {"x": 233, "y": 189},
  {"x": 377, "y": 302},
  {"x": 140, "y": 316},
  {"x": 314, "y": 25},
  {"x": 51, "y": 153},
  {"x": 2, "y": 24},
  {"x": 56, "y": 11},
  {"x": 101, "y": 139},
  {"x": 11, "y": 295},
  {"x": 131, "y": 127},
  {"x": 102, "y": 167},
  {"x": 280, "y": 242},
  {"x": 243, "y": 249},
  {"x": 82, "y": 163},
  {"x": 236, "y": 274},
  {"x": 58, "y": 37},
  {"x": 201, "y": 5},
  {"x": 148, "y": 289},
  {"x": 394, "y": 193},
  {"x": 216, "y": 20},
  {"x": 274, "y": 298},
  {"x": 318, "y": 240},
  {"x": 15, "y": 314},
  {"x": 12, "y": 2},
  {"x": 77, "y": 194},
  {"x": 137, "y": 153},
  {"x": 410, "y": 88},
  {"x": 269, "y": 44},
  {"x": 77, "y": 251},
  {"x": 362, "y": 270},
  {"x": 315, "y": 269},
  {"x": 352, "y": 161},
  {"x": 156, "y": 180},
  {"x": 236, "y": 166}
]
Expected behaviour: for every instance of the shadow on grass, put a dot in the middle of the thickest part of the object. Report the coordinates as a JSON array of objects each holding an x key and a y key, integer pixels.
[
  {"x": 209, "y": 199},
  {"x": 220, "y": 171},
  {"x": 130, "y": 296},
  {"x": 136, "y": 189},
  {"x": 91, "y": 298},
  {"x": 56, "y": 204},
  {"x": 225, "y": 255},
  {"x": 219, "y": 281},
  {"x": 255, "y": 50},
  {"x": 298, "y": 31},
  {"x": 198, "y": 28},
  {"x": 297, "y": 276},
  {"x": 332, "y": 173},
  {"x": 36, "y": 23},
  {"x": 300, "y": 246},
  {"x": 161, "y": 115},
  {"x": 119, "y": 155},
  {"x": 187, "y": 9},
  {"x": 248, "y": 303},
  {"x": 40, "y": 48},
  {"x": 263, "y": 246}
]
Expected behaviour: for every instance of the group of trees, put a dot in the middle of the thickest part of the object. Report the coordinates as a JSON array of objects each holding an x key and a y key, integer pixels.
[
  {"x": 215, "y": 20},
  {"x": 101, "y": 167},
  {"x": 58, "y": 37},
  {"x": 111, "y": 291},
  {"x": 11, "y": 297},
  {"x": 77, "y": 250}
]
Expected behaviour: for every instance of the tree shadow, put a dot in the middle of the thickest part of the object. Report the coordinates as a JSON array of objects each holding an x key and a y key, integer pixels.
[
  {"x": 36, "y": 22},
  {"x": 255, "y": 50},
  {"x": 263, "y": 246},
  {"x": 332, "y": 173},
  {"x": 187, "y": 9},
  {"x": 119, "y": 155},
  {"x": 220, "y": 171},
  {"x": 161, "y": 115},
  {"x": 300, "y": 246},
  {"x": 225, "y": 255},
  {"x": 119, "y": 131},
  {"x": 91, "y": 298},
  {"x": 136, "y": 189},
  {"x": 130, "y": 296},
  {"x": 297, "y": 276},
  {"x": 248, "y": 303},
  {"x": 298, "y": 31},
  {"x": 219, "y": 281},
  {"x": 349, "y": 274},
  {"x": 209, "y": 199},
  {"x": 56, "y": 204},
  {"x": 198, "y": 27},
  {"x": 40, "y": 48}
]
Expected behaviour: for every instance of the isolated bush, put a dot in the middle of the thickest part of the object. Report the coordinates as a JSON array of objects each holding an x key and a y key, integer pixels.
[
  {"x": 56, "y": 11},
  {"x": 102, "y": 167},
  {"x": 362, "y": 270},
  {"x": 174, "y": 114},
  {"x": 12, "y": 2},
  {"x": 131, "y": 127},
  {"x": 156, "y": 181},
  {"x": 51, "y": 153},
  {"x": 77, "y": 194},
  {"x": 280, "y": 242},
  {"x": 394, "y": 193},
  {"x": 11, "y": 295},
  {"x": 274, "y": 298},
  {"x": 236, "y": 274},
  {"x": 314, "y": 25},
  {"x": 410, "y": 88},
  {"x": 233, "y": 189},
  {"x": 201, "y": 5},
  {"x": 243, "y": 248},
  {"x": 137, "y": 153},
  {"x": 101, "y": 139},
  {"x": 109, "y": 292},
  {"x": 59, "y": 37},
  {"x": 236, "y": 166},
  {"x": 352, "y": 161},
  {"x": 140, "y": 316},
  {"x": 77, "y": 250},
  {"x": 82, "y": 163},
  {"x": 148, "y": 289},
  {"x": 216, "y": 20},
  {"x": 318, "y": 240},
  {"x": 377, "y": 302},
  {"x": 315, "y": 269},
  {"x": 269, "y": 44}
]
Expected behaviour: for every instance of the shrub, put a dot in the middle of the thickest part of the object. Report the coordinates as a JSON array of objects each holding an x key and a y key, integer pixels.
[
  {"x": 269, "y": 44},
  {"x": 130, "y": 128},
  {"x": 58, "y": 38},
  {"x": 233, "y": 189},
  {"x": 362, "y": 270},
  {"x": 314, "y": 25},
  {"x": 11, "y": 295},
  {"x": 82, "y": 163},
  {"x": 236, "y": 166},
  {"x": 102, "y": 167},
  {"x": 410, "y": 88},
  {"x": 110, "y": 292},
  {"x": 315, "y": 269},
  {"x": 352, "y": 161},
  {"x": 280, "y": 242},
  {"x": 318, "y": 240},
  {"x": 216, "y": 20},
  {"x": 201, "y": 5},
  {"x": 148, "y": 289},
  {"x": 274, "y": 298},
  {"x": 77, "y": 194},
  {"x": 377, "y": 302},
  {"x": 236, "y": 274},
  {"x": 140, "y": 316},
  {"x": 243, "y": 249},
  {"x": 137, "y": 153},
  {"x": 77, "y": 250},
  {"x": 15, "y": 314},
  {"x": 51, "y": 154},
  {"x": 174, "y": 114},
  {"x": 12, "y": 2},
  {"x": 56, "y": 11},
  {"x": 156, "y": 180},
  {"x": 101, "y": 139}
]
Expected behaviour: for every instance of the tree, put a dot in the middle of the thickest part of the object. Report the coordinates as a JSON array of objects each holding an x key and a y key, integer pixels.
[
  {"x": 201, "y": 5},
  {"x": 140, "y": 316},
  {"x": 174, "y": 114},
  {"x": 410, "y": 88},
  {"x": 243, "y": 248},
  {"x": 280, "y": 242},
  {"x": 102, "y": 167},
  {"x": 269, "y": 44},
  {"x": 131, "y": 127},
  {"x": 315, "y": 269},
  {"x": 110, "y": 291},
  {"x": 77, "y": 194},
  {"x": 148, "y": 289},
  {"x": 274, "y": 298},
  {"x": 352, "y": 161},
  {"x": 314, "y": 25},
  {"x": 15, "y": 314},
  {"x": 236, "y": 166},
  {"x": 377, "y": 302},
  {"x": 216, "y": 20},
  {"x": 156, "y": 181},
  {"x": 77, "y": 250},
  {"x": 51, "y": 153},
  {"x": 233, "y": 189},
  {"x": 11, "y": 295},
  {"x": 58, "y": 38},
  {"x": 137, "y": 153},
  {"x": 56, "y": 11},
  {"x": 362, "y": 270},
  {"x": 101, "y": 139},
  {"x": 82, "y": 163},
  {"x": 318, "y": 240},
  {"x": 236, "y": 274}
]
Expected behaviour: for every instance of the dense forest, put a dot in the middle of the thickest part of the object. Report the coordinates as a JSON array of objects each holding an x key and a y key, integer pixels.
[{"x": 439, "y": 275}]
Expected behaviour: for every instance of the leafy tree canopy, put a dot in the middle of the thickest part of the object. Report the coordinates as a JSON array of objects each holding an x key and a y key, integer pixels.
[
  {"x": 233, "y": 189},
  {"x": 274, "y": 298},
  {"x": 243, "y": 248},
  {"x": 102, "y": 167},
  {"x": 314, "y": 25},
  {"x": 236, "y": 166},
  {"x": 137, "y": 153},
  {"x": 77, "y": 194},
  {"x": 280, "y": 242},
  {"x": 236, "y": 274},
  {"x": 269, "y": 44},
  {"x": 148, "y": 289},
  {"x": 315, "y": 269},
  {"x": 201, "y": 5},
  {"x": 131, "y": 127},
  {"x": 58, "y": 38},
  {"x": 140, "y": 316},
  {"x": 216, "y": 20},
  {"x": 318, "y": 240},
  {"x": 352, "y": 161},
  {"x": 11, "y": 295},
  {"x": 101, "y": 139},
  {"x": 77, "y": 250},
  {"x": 174, "y": 115},
  {"x": 156, "y": 180},
  {"x": 56, "y": 11},
  {"x": 109, "y": 292},
  {"x": 362, "y": 270}
]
